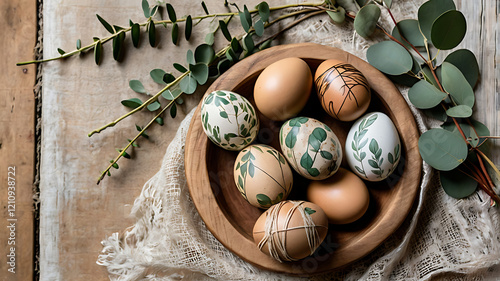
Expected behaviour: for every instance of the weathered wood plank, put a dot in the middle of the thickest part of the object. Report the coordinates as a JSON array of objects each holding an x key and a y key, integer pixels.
[{"x": 17, "y": 139}]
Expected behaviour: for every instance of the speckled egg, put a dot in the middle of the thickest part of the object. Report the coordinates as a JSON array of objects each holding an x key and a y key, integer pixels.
[
  {"x": 283, "y": 88},
  {"x": 262, "y": 175},
  {"x": 342, "y": 90},
  {"x": 290, "y": 230},
  {"x": 311, "y": 147},
  {"x": 229, "y": 120},
  {"x": 373, "y": 148}
]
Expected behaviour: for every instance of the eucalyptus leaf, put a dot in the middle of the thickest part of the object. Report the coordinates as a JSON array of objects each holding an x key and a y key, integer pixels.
[
  {"x": 204, "y": 7},
  {"x": 466, "y": 62},
  {"x": 200, "y": 72},
  {"x": 223, "y": 65},
  {"x": 118, "y": 45},
  {"x": 136, "y": 34},
  {"x": 137, "y": 86},
  {"x": 180, "y": 68},
  {"x": 338, "y": 16},
  {"x": 437, "y": 113},
  {"x": 188, "y": 84},
  {"x": 348, "y": 5},
  {"x": 152, "y": 34},
  {"x": 168, "y": 78},
  {"x": 154, "y": 10},
  {"x": 264, "y": 11},
  {"x": 210, "y": 38},
  {"x": 168, "y": 95},
  {"x": 423, "y": 95},
  {"x": 456, "y": 85},
  {"x": 145, "y": 8},
  {"x": 448, "y": 30},
  {"x": 175, "y": 33},
  {"x": 78, "y": 44},
  {"x": 98, "y": 52},
  {"x": 390, "y": 57},
  {"x": 259, "y": 28},
  {"x": 441, "y": 149},
  {"x": 105, "y": 24},
  {"x": 157, "y": 75},
  {"x": 266, "y": 44},
  {"x": 404, "y": 79},
  {"x": 231, "y": 55},
  {"x": 430, "y": 11},
  {"x": 204, "y": 54},
  {"x": 61, "y": 51},
  {"x": 132, "y": 103},
  {"x": 154, "y": 106},
  {"x": 245, "y": 19},
  {"x": 388, "y": 3},
  {"x": 365, "y": 21},
  {"x": 189, "y": 27},
  {"x": 225, "y": 31},
  {"x": 235, "y": 45},
  {"x": 190, "y": 57},
  {"x": 171, "y": 13},
  {"x": 410, "y": 31},
  {"x": 457, "y": 184},
  {"x": 160, "y": 121},
  {"x": 475, "y": 131},
  {"x": 459, "y": 111},
  {"x": 248, "y": 43},
  {"x": 173, "y": 110},
  {"x": 428, "y": 76}
]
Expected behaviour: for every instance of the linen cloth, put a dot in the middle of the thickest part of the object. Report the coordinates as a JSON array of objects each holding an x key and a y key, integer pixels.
[{"x": 442, "y": 237}]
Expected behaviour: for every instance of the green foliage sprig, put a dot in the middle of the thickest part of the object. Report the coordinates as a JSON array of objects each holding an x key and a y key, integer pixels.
[{"x": 444, "y": 92}]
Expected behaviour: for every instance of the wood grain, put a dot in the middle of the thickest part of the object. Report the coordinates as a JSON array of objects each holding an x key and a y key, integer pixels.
[
  {"x": 230, "y": 218},
  {"x": 17, "y": 138}
]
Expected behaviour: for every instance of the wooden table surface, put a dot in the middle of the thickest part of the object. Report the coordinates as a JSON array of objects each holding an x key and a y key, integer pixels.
[{"x": 76, "y": 213}]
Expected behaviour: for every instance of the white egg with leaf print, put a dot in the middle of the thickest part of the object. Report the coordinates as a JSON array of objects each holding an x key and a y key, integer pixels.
[
  {"x": 373, "y": 147},
  {"x": 229, "y": 120}
]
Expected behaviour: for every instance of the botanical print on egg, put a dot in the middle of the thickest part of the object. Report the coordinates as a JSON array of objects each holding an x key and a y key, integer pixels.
[
  {"x": 311, "y": 147},
  {"x": 343, "y": 91},
  {"x": 262, "y": 175},
  {"x": 229, "y": 120},
  {"x": 382, "y": 155}
]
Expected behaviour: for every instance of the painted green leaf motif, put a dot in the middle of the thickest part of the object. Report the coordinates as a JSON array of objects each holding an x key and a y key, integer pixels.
[
  {"x": 309, "y": 211},
  {"x": 251, "y": 169},
  {"x": 263, "y": 200},
  {"x": 291, "y": 138},
  {"x": 314, "y": 142},
  {"x": 313, "y": 172},
  {"x": 362, "y": 155},
  {"x": 306, "y": 161},
  {"x": 320, "y": 134},
  {"x": 390, "y": 158},
  {"x": 223, "y": 114},
  {"x": 359, "y": 170},
  {"x": 373, "y": 164},
  {"x": 327, "y": 155},
  {"x": 373, "y": 146}
]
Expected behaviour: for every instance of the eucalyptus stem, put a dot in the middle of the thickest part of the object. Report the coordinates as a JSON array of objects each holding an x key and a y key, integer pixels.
[
  {"x": 103, "y": 174},
  {"x": 146, "y": 103}
]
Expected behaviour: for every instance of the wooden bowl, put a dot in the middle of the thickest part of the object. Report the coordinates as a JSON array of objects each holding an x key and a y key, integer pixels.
[{"x": 209, "y": 169}]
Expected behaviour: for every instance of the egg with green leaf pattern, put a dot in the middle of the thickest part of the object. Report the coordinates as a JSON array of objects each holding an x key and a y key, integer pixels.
[
  {"x": 262, "y": 175},
  {"x": 373, "y": 147},
  {"x": 311, "y": 147},
  {"x": 229, "y": 120}
]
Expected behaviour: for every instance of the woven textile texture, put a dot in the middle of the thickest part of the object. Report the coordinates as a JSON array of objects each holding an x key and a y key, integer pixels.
[{"x": 442, "y": 237}]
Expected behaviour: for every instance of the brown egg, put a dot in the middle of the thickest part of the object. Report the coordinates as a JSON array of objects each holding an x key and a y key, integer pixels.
[
  {"x": 292, "y": 235},
  {"x": 342, "y": 90},
  {"x": 343, "y": 197},
  {"x": 283, "y": 88}
]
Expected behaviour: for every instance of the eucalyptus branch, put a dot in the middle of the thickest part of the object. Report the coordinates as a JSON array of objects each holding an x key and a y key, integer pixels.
[
  {"x": 146, "y": 103},
  {"x": 103, "y": 174}
]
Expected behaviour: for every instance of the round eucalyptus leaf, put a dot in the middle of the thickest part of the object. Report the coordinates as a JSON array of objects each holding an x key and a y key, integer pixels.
[
  {"x": 188, "y": 84},
  {"x": 365, "y": 21},
  {"x": 388, "y": 3},
  {"x": 349, "y": 5},
  {"x": 390, "y": 57},
  {"x": 160, "y": 121},
  {"x": 430, "y": 11},
  {"x": 168, "y": 78},
  {"x": 167, "y": 95},
  {"x": 456, "y": 85},
  {"x": 259, "y": 28},
  {"x": 441, "y": 149},
  {"x": 423, "y": 95},
  {"x": 210, "y": 38},
  {"x": 404, "y": 79},
  {"x": 448, "y": 30},
  {"x": 475, "y": 131},
  {"x": 200, "y": 72},
  {"x": 137, "y": 86},
  {"x": 157, "y": 75},
  {"x": 154, "y": 106},
  {"x": 264, "y": 11},
  {"x": 338, "y": 16},
  {"x": 466, "y": 62},
  {"x": 204, "y": 54},
  {"x": 190, "y": 57},
  {"x": 457, "y": 184},
  {"x": 459, "y": 111},
  {"x": 410, "y": 31}
]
